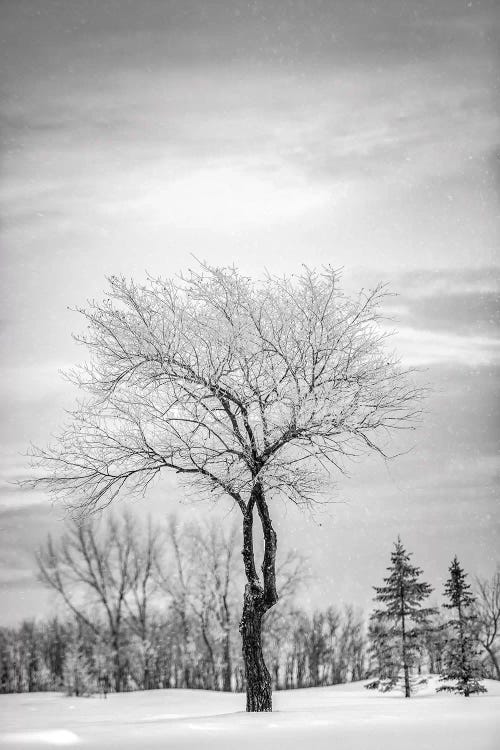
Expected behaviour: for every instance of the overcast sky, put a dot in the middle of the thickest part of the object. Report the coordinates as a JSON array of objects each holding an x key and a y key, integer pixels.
[{"x": 363, "y": 134}]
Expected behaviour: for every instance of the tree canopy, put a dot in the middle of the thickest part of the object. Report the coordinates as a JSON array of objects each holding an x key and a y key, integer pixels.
[{"x": 225, "y": 380}]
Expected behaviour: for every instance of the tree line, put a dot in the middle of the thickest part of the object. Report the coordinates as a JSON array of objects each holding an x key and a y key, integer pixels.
[{"x": 155, "y": 606}]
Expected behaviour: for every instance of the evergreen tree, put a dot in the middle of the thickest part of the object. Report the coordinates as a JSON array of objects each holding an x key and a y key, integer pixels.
[
  {"x": 404, "y": 618},
  {"x": 462, "y": 665}
]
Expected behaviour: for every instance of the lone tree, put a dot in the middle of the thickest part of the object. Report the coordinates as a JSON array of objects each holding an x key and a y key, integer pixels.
[
  {"x": 248, "y": 390},
  {"x": 462, "y": 664},
  {"x": 398, "y": 644}
]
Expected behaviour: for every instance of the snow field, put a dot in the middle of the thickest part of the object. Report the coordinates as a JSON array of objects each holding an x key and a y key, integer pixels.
[{"x": 343, "y": 717}]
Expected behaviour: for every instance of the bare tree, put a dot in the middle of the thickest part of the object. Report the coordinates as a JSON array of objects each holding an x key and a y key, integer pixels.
[
  {"x": 487, "y": 609},
  {"x": 145, "y": 552},
  {"x": 176, "y": 578},
  {"x": 215, "y": 553},
  {"x": 248, "y": 390},
  {"x": 108, "y": 570}
]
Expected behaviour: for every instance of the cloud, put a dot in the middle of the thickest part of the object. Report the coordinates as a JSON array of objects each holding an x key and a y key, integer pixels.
[
  {"x": 425, "y": 282},
  {"x": 26, "y": 383},
  {"x": 421, "y": 347},
  {"x": 466, "y": 313},
  {"x": 279, "y": 31},
  {"x": 149, "y": 134},
  {"x": 118, "y": 130},
  {"x": 263, "y": 134},
  {"x": 441, "y": 315},
  {"x": 22, "y": 530},
  {"x": 12, "y": 578}
]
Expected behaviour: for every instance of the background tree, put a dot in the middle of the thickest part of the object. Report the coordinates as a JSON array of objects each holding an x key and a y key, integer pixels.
[
  {"x": 106, "y": 571},
  {"x": 487, "y": 611},
  {"x": 434, "y": 643},
  {"x": 32, "y": 656},
  {"x": 462, "y": 665},
  {"x": 325, "y": 647},
  {"x": 407, "y": 619},
  {"x": 216, "y": 553},
  {"x": 78, "y": 678},
  {"x": 384, "y": 664},
  {"x": 303, "y": 649},
  {"x": 198, "y": 576},
  {"x": 248, "y": 390},
  {"x": 143, "y": 585}
]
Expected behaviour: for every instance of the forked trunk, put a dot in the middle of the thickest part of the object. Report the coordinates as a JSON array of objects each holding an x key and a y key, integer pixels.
[
  {"x": 257, "y": 601},
  {"x": 258, "y": 679}
]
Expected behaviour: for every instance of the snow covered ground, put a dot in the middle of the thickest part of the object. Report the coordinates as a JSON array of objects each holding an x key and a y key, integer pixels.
[{"x": 344, "y": 717}]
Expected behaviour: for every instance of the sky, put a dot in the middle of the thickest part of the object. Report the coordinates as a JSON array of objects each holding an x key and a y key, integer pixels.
[{"x": 138, "y": 136}]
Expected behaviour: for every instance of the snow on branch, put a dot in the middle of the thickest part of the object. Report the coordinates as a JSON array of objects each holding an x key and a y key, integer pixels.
[{"x": 227, "y": 382}]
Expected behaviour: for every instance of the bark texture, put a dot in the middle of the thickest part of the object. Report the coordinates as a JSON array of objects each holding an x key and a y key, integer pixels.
[
  {"x": 258, "y": 679},
  {"x": 258, "y": 599}
]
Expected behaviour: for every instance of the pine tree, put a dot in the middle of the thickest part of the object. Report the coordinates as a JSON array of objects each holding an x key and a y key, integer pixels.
[
  {"x": 404, "y": 618},
  {"x": 461, "y": 662}
]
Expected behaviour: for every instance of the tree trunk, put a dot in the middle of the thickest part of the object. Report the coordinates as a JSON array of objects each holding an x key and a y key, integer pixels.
[
  {"x": 463, "y": 659},
  {"x": 276, "y": 670},
  {"x": 258, "y": 679},
  {"x": 494, "y": 661},
  {"x": 405, "y": 659},
  {"x": 257, "y": 601},
  {"x": 227, "y": 670},
  {"x": 117, "y": 664}
]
